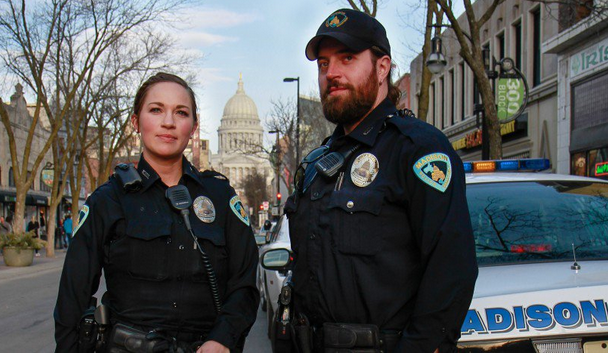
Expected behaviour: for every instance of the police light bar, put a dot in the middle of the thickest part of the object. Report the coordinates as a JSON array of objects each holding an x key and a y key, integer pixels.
[{"x": 508, "y": 165}]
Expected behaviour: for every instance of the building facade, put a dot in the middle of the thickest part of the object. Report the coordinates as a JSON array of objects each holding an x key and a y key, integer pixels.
[
  {"x": 582, "y": 97},
  {"x": 37, "y": 199},
  {"x": 239, "y": 134},
  {"x": 517, "y": 30}
]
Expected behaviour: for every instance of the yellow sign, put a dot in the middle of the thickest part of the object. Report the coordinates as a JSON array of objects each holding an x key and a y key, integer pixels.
[{"x": 473, "y": 139}]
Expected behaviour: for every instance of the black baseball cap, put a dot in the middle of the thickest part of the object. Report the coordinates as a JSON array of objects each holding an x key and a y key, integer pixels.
[{"x": 355, "y": 29}]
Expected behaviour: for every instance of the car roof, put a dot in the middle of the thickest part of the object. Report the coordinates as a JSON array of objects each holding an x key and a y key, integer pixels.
[{"x": 479, "y": 178}]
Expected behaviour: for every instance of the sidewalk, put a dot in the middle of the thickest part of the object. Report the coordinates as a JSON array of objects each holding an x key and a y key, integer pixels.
[{"x": 40, "y": 264}]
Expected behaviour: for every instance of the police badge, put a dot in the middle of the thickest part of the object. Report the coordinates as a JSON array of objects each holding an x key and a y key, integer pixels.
[{"x": 204, "y": 209}]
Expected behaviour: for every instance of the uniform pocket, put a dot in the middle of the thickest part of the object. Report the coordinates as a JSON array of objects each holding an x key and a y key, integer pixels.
[
  {"x": 149, "y": 249},
  {"x": 213, "y": 241},
  {"x": 356, "y": 222}
]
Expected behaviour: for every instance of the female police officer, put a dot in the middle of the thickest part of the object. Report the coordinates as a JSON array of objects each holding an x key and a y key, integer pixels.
[{"x": 157, "y": 280}]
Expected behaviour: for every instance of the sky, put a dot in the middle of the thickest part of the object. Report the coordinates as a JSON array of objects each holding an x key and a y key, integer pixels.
[{"x": 265, "y": 40}]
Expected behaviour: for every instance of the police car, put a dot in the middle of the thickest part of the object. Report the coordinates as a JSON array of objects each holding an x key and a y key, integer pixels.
[{"x": 542, "y": 249}]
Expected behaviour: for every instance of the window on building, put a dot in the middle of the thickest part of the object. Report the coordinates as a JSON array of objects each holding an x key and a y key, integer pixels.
[
  {"x": 442, "y": 96},
  {"x": 536, "y": 43},
  {"x": 452, "y": 110},
  {"x": 500, "y": 46},
  {"x": 463, "y": 92},
  {"x": 11, "y": 177},
  {"x": 517, "y": 44}
]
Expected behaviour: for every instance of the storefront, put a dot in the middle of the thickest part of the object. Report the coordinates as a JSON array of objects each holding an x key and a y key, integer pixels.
[
  {"x": 582, "y": 52},
  {"x": 514, "y": 139},
  {"x": 35, "y": 204},
  {"x": 589, "y": 136}
]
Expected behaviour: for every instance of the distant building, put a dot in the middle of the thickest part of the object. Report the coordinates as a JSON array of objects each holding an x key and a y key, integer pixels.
[
  {"x": 37, "y": 199},
  {"x": 240, "y": 133},
  {"x": 403, "y": 84}
]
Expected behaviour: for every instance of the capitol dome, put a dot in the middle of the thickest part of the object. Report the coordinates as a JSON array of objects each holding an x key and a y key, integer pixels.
[{"x": 240, "y": 105}]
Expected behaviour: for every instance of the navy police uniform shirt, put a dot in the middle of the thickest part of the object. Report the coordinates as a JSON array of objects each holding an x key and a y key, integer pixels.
[
  {"x": 388, "y": 242},
  {"x": 154, "y": 272}
]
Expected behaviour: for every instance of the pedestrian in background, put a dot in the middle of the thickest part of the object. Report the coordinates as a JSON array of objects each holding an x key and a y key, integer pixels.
[
  {"x": 5, "y": 228},
  {"x": 67, "y": 228},
  {"x": 59, "y": 235},
  {"x": 33, "y": 226}
]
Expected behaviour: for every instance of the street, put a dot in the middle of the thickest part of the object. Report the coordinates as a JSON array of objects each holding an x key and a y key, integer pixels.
[{"x": 27, "y": 299}]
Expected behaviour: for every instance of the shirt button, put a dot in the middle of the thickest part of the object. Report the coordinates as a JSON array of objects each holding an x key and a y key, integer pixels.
[
  {"x": 169, "y": 240},
  {"x": 316, "y": 194},
  {"x": 350, "y": 204},
  {"x": 312, "y": 237},
  {"x": 181, "y": 247},
  {"x": 179, "y": 278},
  {"x": 175, "y": 304}
]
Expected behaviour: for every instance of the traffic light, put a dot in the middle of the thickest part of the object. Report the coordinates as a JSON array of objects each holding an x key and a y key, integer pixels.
[{"x": 278, "y": 196}]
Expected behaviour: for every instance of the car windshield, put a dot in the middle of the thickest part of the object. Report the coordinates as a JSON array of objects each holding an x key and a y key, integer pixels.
[{"x": 539, "y": 221}]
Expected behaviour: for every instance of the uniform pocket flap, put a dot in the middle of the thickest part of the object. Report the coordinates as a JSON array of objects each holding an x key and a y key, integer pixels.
[
  {"x": 369, "y": 201},
  {"x": 148, "y": 229},
  {"x": 214, "y": 234}
]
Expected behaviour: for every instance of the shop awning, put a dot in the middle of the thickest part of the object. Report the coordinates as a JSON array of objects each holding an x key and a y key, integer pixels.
[{"x": 8, "y": 196}]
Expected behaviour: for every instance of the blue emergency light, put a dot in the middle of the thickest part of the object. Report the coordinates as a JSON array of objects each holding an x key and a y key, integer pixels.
[{"x": 509, "y": 165}]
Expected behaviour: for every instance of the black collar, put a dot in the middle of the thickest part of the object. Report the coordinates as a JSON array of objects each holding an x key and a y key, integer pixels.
[
  {"x": 149, "y": 175},
  {"x": 367, "y": 131}
]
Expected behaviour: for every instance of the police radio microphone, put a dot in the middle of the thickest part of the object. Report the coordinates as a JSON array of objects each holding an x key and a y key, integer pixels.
[{"x": 180, "y": 199}]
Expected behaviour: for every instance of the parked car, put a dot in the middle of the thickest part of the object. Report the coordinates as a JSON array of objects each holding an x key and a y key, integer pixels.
[
  {"x": 270, "y": 281},
  {"x": 542, "y": 250}
]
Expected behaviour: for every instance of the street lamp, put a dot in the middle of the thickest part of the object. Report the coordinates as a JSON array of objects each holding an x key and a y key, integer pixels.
[
  {"x": 277, "y": 165},
  {"x": 296, "y": 79},
  {"x": 436, "y": 63}
]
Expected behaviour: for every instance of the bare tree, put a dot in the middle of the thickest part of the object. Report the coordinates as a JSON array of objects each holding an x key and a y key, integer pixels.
[
  {"x": 256, "y": 191},
  {"x": 40, "y": 44},
  {"x": 369, "y": 7}
]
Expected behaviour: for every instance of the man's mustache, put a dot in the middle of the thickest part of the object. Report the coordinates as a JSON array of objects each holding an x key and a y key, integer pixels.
[{"x": 337, "y": 85}]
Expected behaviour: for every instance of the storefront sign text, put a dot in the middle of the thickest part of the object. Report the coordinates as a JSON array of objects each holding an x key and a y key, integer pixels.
[
  {"x": 474, "y": 138},
  {"x": 601, "y": 169},
  {"x": 589, "y": 58}
]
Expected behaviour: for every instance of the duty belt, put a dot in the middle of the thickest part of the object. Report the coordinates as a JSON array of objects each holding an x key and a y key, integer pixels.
[{"x": 354, "y": 338}]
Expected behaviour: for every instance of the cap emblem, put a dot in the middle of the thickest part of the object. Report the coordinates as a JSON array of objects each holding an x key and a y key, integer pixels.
[{"x": 336, "y": 19}]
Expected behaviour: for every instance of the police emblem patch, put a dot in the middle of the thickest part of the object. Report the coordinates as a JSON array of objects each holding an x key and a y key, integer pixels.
[
  {"x": 336, "y": 19},
  {"x": 82, "y": 216},
  {"x": 364, "y": 169},
  {"x": 239, "y": 210},
  {"x": 434, "y": 169},
  {"x": 204, "y": 209}
]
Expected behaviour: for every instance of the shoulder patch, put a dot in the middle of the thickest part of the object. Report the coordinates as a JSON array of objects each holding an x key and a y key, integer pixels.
[
  {"x": 82, "y": 216},
  {"x": 239, "y": 210},
  {"x": 435, "y": 170}
]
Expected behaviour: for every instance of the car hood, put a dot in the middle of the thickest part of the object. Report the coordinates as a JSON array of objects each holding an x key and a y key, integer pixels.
[{"x": 538, "y": 300}]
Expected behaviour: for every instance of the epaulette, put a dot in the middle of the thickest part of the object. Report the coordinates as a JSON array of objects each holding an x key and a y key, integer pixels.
[
  {"x": 213, "y": 174},
  {"x": 420, "y": 132},
  {"x": 128, "y": 177}
]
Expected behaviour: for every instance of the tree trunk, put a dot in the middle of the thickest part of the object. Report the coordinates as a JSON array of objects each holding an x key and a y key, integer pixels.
[
  {"x": 424, "y": 97},
  {"x": 51, "y": 225}
]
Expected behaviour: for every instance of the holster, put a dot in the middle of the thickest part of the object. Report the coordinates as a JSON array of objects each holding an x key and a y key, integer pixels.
[
  {"x": 125, "y": 339},
  {"x": 355, "y": 338}
]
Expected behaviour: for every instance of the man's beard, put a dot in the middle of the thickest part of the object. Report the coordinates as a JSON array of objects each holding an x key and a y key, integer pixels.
[{"x": 350, "y": 108}]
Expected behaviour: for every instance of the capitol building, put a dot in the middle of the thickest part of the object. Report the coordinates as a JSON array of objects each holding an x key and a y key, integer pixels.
[{"x": 239, "y": 134}]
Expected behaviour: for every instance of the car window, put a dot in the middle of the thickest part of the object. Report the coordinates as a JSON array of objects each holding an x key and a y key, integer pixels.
[{"x": 539, "y": 221}]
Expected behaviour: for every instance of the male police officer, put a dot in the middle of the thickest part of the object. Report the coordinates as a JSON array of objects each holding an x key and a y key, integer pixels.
[{"x": 384, "y": 248}]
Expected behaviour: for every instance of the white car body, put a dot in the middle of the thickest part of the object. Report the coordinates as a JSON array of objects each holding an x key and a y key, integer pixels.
[
  {"x": 549, "y": 305},
  {"x": 271, "y": 281}
]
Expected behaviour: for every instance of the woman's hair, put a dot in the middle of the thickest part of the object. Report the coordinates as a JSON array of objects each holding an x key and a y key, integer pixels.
[{"x": 158, "y": 78}]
